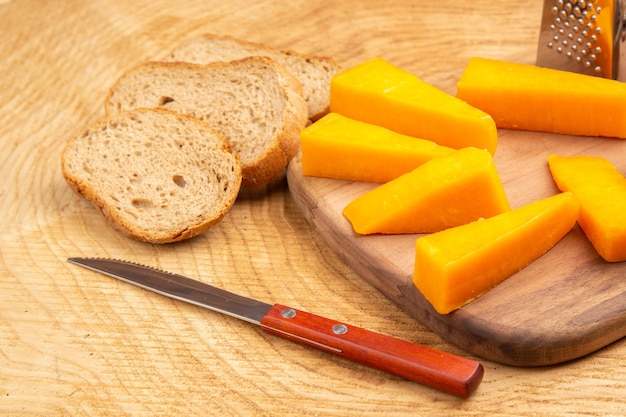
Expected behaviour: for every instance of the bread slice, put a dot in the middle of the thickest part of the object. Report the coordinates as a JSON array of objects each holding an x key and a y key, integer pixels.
[
  {"x": 254, "y": 103},
  {"x": 154, "y": 174},
  {"x": 313, "y": 72}
]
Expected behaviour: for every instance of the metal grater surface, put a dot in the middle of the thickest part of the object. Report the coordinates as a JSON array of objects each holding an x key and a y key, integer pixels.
[{"x": 582, "y": 36}]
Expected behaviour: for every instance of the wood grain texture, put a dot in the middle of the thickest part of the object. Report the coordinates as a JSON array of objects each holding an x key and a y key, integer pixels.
[{"x": 81, "y": 344}]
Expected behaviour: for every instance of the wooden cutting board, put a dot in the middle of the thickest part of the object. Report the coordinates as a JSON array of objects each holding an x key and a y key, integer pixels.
[{"x": 566, "y": 304}]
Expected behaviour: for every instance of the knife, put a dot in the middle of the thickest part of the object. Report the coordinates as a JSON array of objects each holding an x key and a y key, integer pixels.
[{"x": 444, "y": 371}]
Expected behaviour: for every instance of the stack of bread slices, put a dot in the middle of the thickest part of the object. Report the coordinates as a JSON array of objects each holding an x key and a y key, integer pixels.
[{"x": 183, "y": 134}]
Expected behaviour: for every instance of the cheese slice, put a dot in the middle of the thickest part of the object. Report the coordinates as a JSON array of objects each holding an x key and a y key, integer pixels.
[
  {"x": 527, "y": 97},
  {"x": 444, "y": 192},
  {"x": 457, "y": 265},
  {"x": 339, "y": 147},
  {"x": 601, "y": 189},
  {"x": 380, "y": 93}
]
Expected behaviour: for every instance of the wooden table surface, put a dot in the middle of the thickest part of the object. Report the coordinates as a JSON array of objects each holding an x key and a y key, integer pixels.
[{"x": 78, "y": 343}]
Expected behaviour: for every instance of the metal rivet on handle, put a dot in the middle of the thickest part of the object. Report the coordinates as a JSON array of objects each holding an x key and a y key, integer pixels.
[
  {"x": 340, "y": 329},
  {"x": 288, "y": 313}
]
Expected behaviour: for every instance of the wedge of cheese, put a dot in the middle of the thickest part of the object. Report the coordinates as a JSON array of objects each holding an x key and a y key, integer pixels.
[
  {"x": 444, "y": 192},
  {"x": 380, "y": 93},
  {"x": 528, "y": 97},
  {"x": 457, "y": 265},
  {"x": 338, "y": 147},
  {"x": 601, "y": 189}
]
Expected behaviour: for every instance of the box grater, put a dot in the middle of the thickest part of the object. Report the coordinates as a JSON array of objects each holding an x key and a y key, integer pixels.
[{"x": 584, "y": 36}]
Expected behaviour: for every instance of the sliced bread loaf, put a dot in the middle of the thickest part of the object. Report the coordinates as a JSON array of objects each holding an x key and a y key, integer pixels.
[
  {"x": 313, "y": 72},
  {"x": 254, "y": 103},
  {"x": 154, "y": 174}
]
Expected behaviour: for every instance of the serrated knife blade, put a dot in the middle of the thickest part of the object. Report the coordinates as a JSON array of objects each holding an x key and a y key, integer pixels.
[{"x": 444, "y": 371}]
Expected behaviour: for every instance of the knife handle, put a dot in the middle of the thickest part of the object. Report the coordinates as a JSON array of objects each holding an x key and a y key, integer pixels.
[{"x": 444, "y": 371}]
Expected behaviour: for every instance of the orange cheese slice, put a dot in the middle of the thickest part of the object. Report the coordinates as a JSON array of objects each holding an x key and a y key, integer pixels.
[
  {"x": 601, "y": 189},
  {"x": 447, "y": 191},
  {"x": 528, "y": 97},
  {"x": 457, "y": 265},
  {"x": 342, "y": 148},
  {"x": 380, "y": 93}
]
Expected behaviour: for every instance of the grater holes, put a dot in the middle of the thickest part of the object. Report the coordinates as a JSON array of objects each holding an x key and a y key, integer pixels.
[{"x": 575, "y": 32}]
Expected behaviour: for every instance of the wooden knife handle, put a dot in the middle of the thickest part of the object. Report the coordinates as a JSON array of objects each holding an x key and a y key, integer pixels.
[{"x": 444, "y": 371}]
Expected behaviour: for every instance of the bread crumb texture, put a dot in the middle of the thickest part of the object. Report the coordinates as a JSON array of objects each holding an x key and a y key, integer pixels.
[
  {"x": 254, "y": 103},
  {"x": 154, "y": 174},
  {"x": 313, "y": 72}
]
